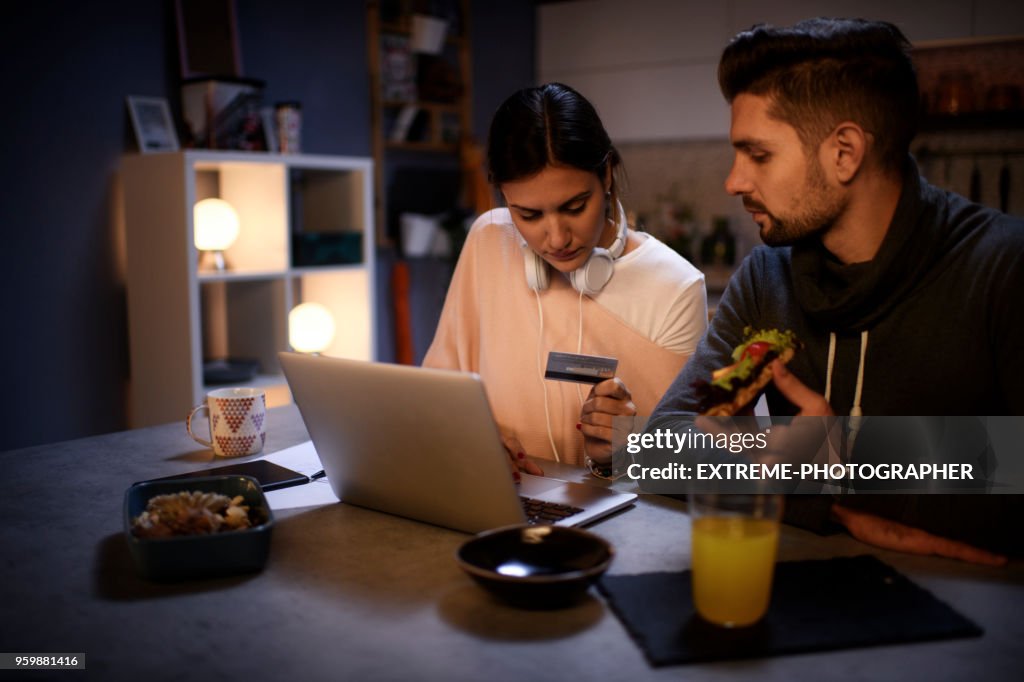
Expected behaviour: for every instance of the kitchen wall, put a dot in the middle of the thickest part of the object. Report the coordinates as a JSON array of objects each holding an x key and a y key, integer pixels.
[
  {"x": 67, "y": 67},
  {"x": 651, "y": 73},
  {"x": 650, "y": 69},
  {"x": 690, "y": 172}
]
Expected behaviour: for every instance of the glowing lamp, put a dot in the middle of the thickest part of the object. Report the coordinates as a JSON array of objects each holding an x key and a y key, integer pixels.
[
  {"x": 215, "y": 229},
  {"x": 310, "y": 328}
]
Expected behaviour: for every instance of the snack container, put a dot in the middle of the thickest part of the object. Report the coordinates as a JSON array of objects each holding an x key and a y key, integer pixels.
[{"x": 186, "y": 557}]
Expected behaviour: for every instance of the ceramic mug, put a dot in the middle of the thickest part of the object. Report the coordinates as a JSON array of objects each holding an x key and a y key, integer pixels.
[{"x": 237, "y": 421}]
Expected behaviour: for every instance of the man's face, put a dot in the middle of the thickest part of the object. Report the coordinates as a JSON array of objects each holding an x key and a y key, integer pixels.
[{"x": 782, "y": 186}]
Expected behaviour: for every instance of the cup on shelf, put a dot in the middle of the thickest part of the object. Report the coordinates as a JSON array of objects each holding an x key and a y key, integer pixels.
[
  {"x": 238, "y": 418},
  {"x": 422, "y": 236},
  {"x": 428, "y": 34},
  {"x": 735, "y": 538}
]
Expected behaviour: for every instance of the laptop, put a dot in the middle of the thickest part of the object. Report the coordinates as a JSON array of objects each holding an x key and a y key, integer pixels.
[{"x": 422, "y": 443}]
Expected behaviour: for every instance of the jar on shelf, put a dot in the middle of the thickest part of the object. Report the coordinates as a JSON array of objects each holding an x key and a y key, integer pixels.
[
  {"x": 288, "y": 117},
  {"x": 955, "y": 94}
]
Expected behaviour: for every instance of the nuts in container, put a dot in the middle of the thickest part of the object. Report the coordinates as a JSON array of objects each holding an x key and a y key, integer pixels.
[
  {"x": 191, "y": 513},
  {"x": 177, "y": 529}
]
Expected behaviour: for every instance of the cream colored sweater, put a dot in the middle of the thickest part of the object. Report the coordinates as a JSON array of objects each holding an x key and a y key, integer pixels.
[{"x": 490, "y": 325}]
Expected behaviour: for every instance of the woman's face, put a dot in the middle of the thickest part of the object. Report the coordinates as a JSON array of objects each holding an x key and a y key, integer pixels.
[{"x": 560, "y": 212}]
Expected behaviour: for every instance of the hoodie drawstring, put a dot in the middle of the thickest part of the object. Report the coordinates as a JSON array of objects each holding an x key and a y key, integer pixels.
[
  {"x": 856, "y": 413},
  {"x": 831, "y": 364}
]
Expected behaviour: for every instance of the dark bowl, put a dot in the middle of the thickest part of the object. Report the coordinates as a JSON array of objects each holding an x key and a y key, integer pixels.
[
  {"x": 536, "y": 567},
  {"x": 186, "y": 557}
]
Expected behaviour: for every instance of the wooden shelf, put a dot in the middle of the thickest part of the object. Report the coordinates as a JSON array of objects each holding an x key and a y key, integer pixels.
[
  {"x": 438, "y": 147},
  {"x": 444, "y": 107},
  {"x": 405, "y": 28},
  {"x": 438, "y": 127},
  {"x": 975, "y": 120}
]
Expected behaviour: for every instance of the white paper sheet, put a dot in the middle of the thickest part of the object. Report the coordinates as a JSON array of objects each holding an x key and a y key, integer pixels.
[{"x": 301, "y": 458}]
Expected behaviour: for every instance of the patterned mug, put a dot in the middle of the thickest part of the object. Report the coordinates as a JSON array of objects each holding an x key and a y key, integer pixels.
[{"x": 237, "y": 421}]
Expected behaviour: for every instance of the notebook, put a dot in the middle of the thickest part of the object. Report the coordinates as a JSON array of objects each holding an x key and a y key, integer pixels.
[{"x": 422, "y": 443}]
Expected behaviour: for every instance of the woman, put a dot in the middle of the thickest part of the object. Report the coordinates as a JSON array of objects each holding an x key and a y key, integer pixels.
[{"x": 560, "y": 270}]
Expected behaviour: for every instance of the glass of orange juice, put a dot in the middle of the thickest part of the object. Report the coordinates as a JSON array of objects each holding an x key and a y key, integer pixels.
[{"x": 735, "y": 538}]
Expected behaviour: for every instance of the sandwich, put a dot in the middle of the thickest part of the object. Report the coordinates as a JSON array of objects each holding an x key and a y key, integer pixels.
[{"x": 733, "y": 388}]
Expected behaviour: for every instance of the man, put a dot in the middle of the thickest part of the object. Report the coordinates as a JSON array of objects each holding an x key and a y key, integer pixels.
[{"x": 906, "y": 297}]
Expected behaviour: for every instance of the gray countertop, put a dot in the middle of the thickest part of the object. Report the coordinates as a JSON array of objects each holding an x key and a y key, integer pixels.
[{"x": 350, "y": 593}]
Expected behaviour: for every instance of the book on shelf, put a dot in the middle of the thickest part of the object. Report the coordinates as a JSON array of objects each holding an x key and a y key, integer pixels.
[
  {"x": 397, "y": 69},
  {"x": 403, "y": 123}
]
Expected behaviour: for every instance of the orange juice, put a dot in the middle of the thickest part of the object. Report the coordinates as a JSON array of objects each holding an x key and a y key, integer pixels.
[{"x": 733, "y": 560}]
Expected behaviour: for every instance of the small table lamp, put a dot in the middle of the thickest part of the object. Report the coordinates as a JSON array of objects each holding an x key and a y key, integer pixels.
[
  {"x": 310, "y": 328},
  {"x": 215, "y": 229}
]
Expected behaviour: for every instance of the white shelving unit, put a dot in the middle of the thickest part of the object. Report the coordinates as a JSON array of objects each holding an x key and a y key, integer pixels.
[{"x": 180, "y": 316}]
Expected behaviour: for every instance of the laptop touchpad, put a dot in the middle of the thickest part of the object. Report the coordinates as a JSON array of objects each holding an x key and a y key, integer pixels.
[{"x": 532, "y": 486}]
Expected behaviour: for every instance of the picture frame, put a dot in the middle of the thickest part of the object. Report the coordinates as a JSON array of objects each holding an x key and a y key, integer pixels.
[
  {"x": 153, "y": 124},
  {"x": 208, "y": 43}
]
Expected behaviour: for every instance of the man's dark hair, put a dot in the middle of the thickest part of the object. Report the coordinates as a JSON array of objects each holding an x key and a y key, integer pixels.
[
  {"x": 823, "y": 71},
  {"x": 548, "y": 124}
]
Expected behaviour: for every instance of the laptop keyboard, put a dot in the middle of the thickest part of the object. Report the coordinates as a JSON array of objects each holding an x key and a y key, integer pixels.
[{"x": 541, "y": 512}]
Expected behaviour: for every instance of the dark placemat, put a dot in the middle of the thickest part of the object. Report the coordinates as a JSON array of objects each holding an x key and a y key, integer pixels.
[{"x": 822, "y": 605}]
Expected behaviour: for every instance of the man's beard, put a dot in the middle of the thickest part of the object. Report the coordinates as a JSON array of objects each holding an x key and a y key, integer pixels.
[{"x": 817, "y": 214}]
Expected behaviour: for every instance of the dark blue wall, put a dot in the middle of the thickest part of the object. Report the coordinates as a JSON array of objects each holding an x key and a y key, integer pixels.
[
  {"x": 313, "y": 51},
  {"x": 67, "y": 68},
  {"x": 504, "y": 39}
]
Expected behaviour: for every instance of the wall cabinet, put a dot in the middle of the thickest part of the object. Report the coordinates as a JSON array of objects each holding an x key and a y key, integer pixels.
[{"x": 183, "y": 317}]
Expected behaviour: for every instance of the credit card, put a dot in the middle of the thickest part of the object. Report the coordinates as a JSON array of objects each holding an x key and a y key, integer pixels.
[{"x": 587, "y": 369}]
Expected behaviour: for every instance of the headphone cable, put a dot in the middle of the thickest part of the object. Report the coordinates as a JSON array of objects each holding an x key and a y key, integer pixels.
[{"x": 540, "y": 375}]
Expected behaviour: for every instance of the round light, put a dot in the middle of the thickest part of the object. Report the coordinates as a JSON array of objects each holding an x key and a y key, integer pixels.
[
  {"x": 310, "y": 328},
  {"x": 215, "y": 225}
]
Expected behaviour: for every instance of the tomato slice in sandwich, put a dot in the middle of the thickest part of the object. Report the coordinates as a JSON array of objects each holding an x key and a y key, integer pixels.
[{"x": 756, "y": 350}]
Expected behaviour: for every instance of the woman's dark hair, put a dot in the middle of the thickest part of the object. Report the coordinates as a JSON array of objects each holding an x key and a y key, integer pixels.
[
  {"x": 547, "y": 125},
  {"x": 823, "y": 71}
]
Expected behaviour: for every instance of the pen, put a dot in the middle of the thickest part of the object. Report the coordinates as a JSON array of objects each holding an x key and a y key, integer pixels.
[{"x": 319, "y": 474}]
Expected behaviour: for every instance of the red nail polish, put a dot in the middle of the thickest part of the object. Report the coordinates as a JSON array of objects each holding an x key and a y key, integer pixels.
[
  {"x": 579, "y": 427},
  {"x": 521, "y": 455}
]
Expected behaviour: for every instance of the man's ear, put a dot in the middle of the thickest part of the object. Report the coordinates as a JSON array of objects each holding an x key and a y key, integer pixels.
[{"x": 845, "y": 150}]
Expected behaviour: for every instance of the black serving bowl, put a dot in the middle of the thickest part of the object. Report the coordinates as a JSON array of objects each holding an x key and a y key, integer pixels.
[
  {"x": 185, "y": 557},
  {"x": 536, "y": 567}
]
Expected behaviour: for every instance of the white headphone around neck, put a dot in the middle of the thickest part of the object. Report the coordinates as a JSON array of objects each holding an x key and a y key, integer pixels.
[{"x": 590, "y": 277}]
